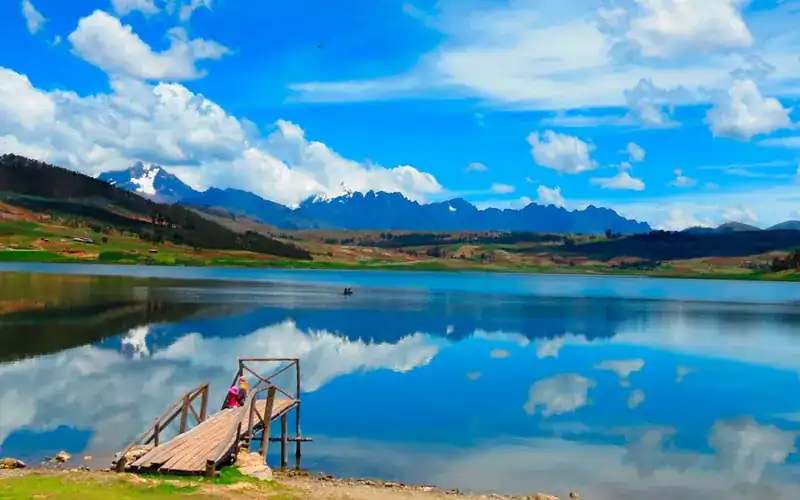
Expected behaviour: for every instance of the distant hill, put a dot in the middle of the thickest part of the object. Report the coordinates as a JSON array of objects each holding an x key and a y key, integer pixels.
[
  {"x": 728, "y": 227},
  {"x": 789, "y": 225},
  {"x": 380, "y": 210},
  {"x": 45, "y": 188}
]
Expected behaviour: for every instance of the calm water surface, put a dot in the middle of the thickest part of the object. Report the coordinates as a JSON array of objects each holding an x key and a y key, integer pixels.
[{"x": 621, "y": 388}]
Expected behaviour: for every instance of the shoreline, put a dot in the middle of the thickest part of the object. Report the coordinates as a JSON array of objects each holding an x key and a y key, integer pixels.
[
  {"x": 35, "y": 482},
  {"x": 431, "y": 268}
]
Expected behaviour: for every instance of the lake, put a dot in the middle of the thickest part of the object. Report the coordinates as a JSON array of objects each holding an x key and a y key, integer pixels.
[{"x": 619, "y": 388}]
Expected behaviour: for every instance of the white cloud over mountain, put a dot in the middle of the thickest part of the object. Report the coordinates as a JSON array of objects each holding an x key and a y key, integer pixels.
[{"x": 167, "y": 124}]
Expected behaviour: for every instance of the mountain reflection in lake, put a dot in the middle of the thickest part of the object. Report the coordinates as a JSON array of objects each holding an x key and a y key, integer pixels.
[{"x": 614, "y": 398}]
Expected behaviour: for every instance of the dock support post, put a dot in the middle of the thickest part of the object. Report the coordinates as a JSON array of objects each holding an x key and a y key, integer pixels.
[
  {"x": 211, "y": 468},
  {"x": 267, "y": 421},
  {"x": 284, "y": 443},
  {"x": 297, "y": 419}
]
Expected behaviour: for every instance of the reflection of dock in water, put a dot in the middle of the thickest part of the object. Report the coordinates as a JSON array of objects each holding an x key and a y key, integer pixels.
[{"x": 215, "y": 440}]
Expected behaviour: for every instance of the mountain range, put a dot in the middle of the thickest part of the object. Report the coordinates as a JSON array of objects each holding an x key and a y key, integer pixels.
[{"x": 371, "y": 211}]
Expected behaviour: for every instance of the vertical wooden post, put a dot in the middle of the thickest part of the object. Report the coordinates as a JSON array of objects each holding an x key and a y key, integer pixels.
[
  {"x": 211, "y": 468},
  {"x": 297, "y": 417},
  {"x": 120, "y": 465},
  {"x": 284, "y": 443},
  {"x": 185, "y": 414},
  {"x": 156, "y": 432},
  {"x": 204, "y": 404},
  {"x": 251, "y": 422},
  {"x": 267, "y": 421}
]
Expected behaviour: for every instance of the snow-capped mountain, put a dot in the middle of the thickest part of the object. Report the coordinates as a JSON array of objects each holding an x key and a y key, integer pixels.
[
  {"x": 150, "y": 181},
  {"x": 372, "y": 210}
]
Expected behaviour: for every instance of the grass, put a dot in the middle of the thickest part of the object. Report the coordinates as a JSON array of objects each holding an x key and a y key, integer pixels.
[
  {"x": 109, "y": 486},
  {"x": 24, "y": 241}
]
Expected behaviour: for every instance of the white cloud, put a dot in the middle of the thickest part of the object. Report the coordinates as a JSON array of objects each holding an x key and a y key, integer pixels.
[
  {"x": 681, "y": 372},
  {"x": 186, "y": 10},
  {"x": 498, "y": 188},
  {"x": 115, "y": 397},
  {"x": 561, "y": 152},
  {"x": 102, "y": 40},
  {"x": 623, "y": 180},
  {"x": 623, "y": 368},
  {"x": 635, "y": 399},
  {"x": 743, "y": 112},
  {"x": 681, "y": 180},
  {"x": 645, "y": 466},
  {"x": 792, "y": 142},
  {"x": 125, "y": 7},
  {"x": 776, "y": 203},
  {"x": 476, "y": 167},
  {"x": 665, "y": 29},
  {"x": 499, "y": 353},
  {"x": 550, "y": 196},
  {"x": 678, "y": 220},
  {"x": 559, "y": 394},
  {"x": 192, "y": 136},
  {"x": 33, "y": 18},
  {"x": 493, "y": 51},
  {"x": 739, "y": 214},
  {"x": 635, "y": 152},
  {"x": 747, "y": 447}
]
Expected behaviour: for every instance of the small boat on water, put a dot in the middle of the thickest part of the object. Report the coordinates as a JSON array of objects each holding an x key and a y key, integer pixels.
[{"x": 348, "y": 291}]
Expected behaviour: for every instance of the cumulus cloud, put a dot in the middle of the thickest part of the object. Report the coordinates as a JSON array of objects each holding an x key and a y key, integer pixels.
[
  {"x": 498, "y": 188},
  {"x": 739, "y": 214},
  {"x": 192, "y": 136},
  {"x": 550, "y": 196},
  {"x": 623, "y": 368},
  {"x": 748, "y": 448},
  {"x": 499, "y": 353},
  {"x": 635, "y": 152},
  {"x": 103, "y": 41},
  {"x": 560, "y": 394},
  {"x": 117, "y": 397},
  {"x": 682, "y": 180},
  {"x": 561, "y": 152},
  {"x": 623, "y": 180},
  {"x": 743, "y": 112},
  {"x": 652, "y": 106},
  {"x": 476, "y": 167},
  {"x": 635, "y": 399},
  {"x": 664, "y": 29},
  {"x": 34, "y": 19},
  {"x": 125, "y": 7}
]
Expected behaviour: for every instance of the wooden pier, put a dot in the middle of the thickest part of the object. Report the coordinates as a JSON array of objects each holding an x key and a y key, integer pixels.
[{"x": 215, "y": 439}]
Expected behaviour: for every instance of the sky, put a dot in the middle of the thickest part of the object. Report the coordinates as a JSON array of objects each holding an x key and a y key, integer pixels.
[{"x": 676, "y": 112}]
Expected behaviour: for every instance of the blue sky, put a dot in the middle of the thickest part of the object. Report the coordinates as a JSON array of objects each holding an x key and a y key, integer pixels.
[{"x": 678, "y": 113}]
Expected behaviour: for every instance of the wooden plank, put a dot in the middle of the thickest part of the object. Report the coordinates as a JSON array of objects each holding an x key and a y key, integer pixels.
[
  {"x": 198, "y": 443},
  {"x": 203, "y": 434},
  {"x": 188, "y": 452},
  {"x": 156, "y": 455}
]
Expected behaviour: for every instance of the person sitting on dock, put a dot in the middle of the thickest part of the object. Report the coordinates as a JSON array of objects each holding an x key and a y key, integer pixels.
[
  {"x": 232, "y": 399},
  {"x": 244, "y": 389}
]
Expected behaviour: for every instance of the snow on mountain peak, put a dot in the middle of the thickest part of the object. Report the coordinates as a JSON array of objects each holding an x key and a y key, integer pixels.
[{"x": 145, "y": 183}]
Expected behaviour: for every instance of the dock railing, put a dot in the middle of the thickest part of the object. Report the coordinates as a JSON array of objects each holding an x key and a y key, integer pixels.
[{"x": 183, "y": 406}]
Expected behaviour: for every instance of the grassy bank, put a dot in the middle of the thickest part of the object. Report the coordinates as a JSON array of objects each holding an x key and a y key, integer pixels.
[
  {"x": 27, "y": 241},
  {"x": 231, "y": 485}
]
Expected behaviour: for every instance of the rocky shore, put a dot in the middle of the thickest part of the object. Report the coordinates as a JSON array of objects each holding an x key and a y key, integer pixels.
[{"x": 301, "y": 484}]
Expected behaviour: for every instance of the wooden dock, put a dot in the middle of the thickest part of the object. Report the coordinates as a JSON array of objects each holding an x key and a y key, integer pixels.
[{"x": 216, "y": 439}]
